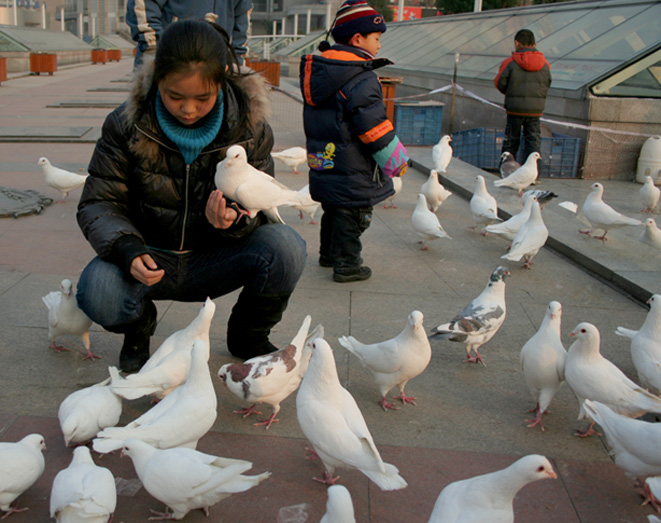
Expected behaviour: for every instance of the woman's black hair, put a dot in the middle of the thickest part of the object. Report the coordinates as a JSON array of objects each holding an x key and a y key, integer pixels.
[{"x": 189, "y": 46}]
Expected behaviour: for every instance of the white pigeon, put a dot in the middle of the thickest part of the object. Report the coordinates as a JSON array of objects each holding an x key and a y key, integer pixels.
[
  {"x": 543, "y": 197},
  {"x": 542, "y": 360},
  {"x": 489, "y": 497},
  {"x": 426, "y": 223},
  {"x": 395, "y": 361},
  {"x": 186, "y": 479},
  {"x": 441, "y": 153},
  {"x": 292, "y": 157},
  {"x": 479, "y": 321},
  {"x": 83, "y": 492},
  {"x": 508, "y": 164},
  {"x": 397, "y": 184},
  {"x": 651, "y": 234},
  {"x": 307, "y": 205},
  {"x": 21, "y": 464},
  {"x": 530, "y": 238},
  {"x": 85, "y": 412},
  {"x": 332, "y": 422},
  {"x": 653, "y": 486},
  {"x": 509, "y": 228},
  {"x": 179, "y": 420},
  {"x": 601, "y": 215},
  {"x": 168, "y": 367},
  {"x": 434, "y": 191},
  {"x": 255, "y": 190},
  {"x": 339, "y": 507},
  {"x": 523, "y": 177},
  {"x": 271, "y": 378},
  {"x": 60, "y": 179},
  {"x": 65, "y": 318},
  {"x": 634, "y": 443},
  {"x": 591, "y": 376},
  {"x": 483, "y": 206},
  {"x": 649, "y": 195},
  {"x": 646, "y": 346}
]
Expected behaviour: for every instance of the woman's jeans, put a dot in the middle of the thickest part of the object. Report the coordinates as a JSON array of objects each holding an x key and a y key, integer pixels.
[{"x": 267, "y": 263}]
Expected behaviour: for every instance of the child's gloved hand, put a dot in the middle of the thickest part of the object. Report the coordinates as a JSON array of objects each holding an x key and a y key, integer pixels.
[{"x": 392, "y": 159}]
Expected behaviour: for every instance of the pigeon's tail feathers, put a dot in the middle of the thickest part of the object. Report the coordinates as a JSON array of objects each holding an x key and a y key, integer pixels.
[
  {"x": 649, "y": 402},
  {"x": 241, "y": 483},
  {"x": 352, "y": 345},
  {"x": 52, "y": 299},
  {"x": 130, "y": 388},
  {"x": 443, "y": 332},
  {"x": 273, "y": 215},
  {"x": 626, "y": 333},
  {"x": 512, "y": 256},
  {"x": 104, "y": 445},
  {"x": 317, "y": 332},
  {"x": 570, "y": 206},
  {"x": 387, "y": 480},
  {"x": 501, "y": 182}
]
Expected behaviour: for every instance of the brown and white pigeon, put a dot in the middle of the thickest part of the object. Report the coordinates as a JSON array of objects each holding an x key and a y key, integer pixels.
[
  {"x": 646, "y": 346},
  {"x": 480, "y": 320},
  {"x": 83, "y": 492},
  {"x": 523, "y": 177},
  {"x": 255, "y": 190},
  {"x": 186, "y": 479},
  {"x": 271, "y": 378},
  {"x": 434, "y": 191},
  {"x": 21, "y": 464},
  {"x": 292, "y": 157},
  {"x": 542, "y": 360},
  {"x": 60, "y": 179},
  {"x": 601, "y": 215},
  {"x": 489, "y": 497},
  {"x": 168, "y": 367},
  {"x": 508, "y": 164},
  {"x": 179, "y": 420},
  {"x": 395, "y": 361},
  {"x": 591, "y": 376},
  {"x": 332, "y": 422},
  {"x": 66, "y": 318}
]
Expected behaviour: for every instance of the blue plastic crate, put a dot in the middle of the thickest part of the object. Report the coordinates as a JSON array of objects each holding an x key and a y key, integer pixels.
[
  {"x": 418, "y": 123},
  {"x": 482, "y": 148}
]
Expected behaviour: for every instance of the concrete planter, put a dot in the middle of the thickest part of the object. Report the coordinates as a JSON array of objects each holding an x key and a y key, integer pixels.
[
  {"x": 99, "y": 56},
  {"x": 269, "y": 70},
  {"x": 43, "y": 63},
  {"x": 3, "y": 69}
]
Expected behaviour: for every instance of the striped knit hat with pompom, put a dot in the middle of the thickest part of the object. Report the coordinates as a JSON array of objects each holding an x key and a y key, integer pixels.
[{"x": 356, "y": 16}]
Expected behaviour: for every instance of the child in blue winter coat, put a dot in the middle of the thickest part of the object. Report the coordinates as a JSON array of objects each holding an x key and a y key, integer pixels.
[{"x": 353, "y": 151}]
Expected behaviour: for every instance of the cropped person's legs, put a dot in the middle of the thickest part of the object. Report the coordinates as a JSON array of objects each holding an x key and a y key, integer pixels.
[
  {"x": 512, "y": 134},
  {"x": 345, "y": 245},
  {"x": 532, "y": 137}
]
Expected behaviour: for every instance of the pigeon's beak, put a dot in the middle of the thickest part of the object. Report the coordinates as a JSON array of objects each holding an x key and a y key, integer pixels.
[
  {"x": 572, "y": 333},
  {"x": 552, "y": 474},
  {"x": 122, "y": 454}
]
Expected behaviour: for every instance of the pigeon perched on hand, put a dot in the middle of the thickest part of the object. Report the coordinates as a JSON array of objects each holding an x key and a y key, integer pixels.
[
  {"x": 397, "y": 184},
  {"x": 523, "y": 177},
  {"x": 441, "y": 153},
  {"x": 434, "y": 191},
  {"x": 426, "y": 223},
  {"x": 60, "y": 179},
  {"x": 339, "y": 507},
  {"x": 508, "y": 164},
  {"x": 509, "y": 228},
  {"x": 649, "y": 195},
  {"x": 83, "y": 491},
  {"x": 591, "y": 376},
  {"x": 530, "y": 238},
  {"x": 179, "y": 420},
  {"x": 292, "y": 157},
  {"x": 395, "y": 361},
  {"x": 483, "y": 206},
  {"x": 21, "y": 464},
  {"x": 601, "y": 215},
  {"x": 634, "y": 443},
  {"x": 307, "y": 205},
  {"x": 479, "y": 321},
  {"x": 332, "y": 422},
  {"x": 490, "y": 497},
  {"x": 271, "y": 378},
  {"x": 646, "y": 346},
  {"x": 85, "y": 412},
  {"x": 255, "y": 190},
  {"x": 543, "y": 362},
  {"x": 651, "y": 234},
  {"x": 168, "y": 367},
  {"x": 186, "y": 479},
  {"x": 64, "y": 317}
]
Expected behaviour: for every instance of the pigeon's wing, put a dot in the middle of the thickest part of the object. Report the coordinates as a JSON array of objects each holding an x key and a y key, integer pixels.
[{"x": 264, "y": 196}]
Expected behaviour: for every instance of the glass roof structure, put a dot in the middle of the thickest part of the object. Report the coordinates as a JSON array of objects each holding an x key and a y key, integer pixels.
[
  {"x": 111, "y": 42},
  {"x": 584, "y": 41},
  {"x": 16, "y": 38}
]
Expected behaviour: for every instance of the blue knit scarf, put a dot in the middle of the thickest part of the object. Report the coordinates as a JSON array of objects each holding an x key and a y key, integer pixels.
[{"x": 190, "y": 140}]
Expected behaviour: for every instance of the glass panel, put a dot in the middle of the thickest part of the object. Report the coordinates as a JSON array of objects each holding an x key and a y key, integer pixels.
[
  {"x": 641, "y": 79},
  {"x": 573, "y": 74}
]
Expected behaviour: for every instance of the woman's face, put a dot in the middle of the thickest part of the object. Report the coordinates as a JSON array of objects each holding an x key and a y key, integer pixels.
[{"x": 188, "y": 98}]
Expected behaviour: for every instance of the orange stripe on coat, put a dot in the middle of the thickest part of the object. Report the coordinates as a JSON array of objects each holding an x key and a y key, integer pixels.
[
  {"x": 376, "y": 132},
  {"x": 306, "y": 80}
]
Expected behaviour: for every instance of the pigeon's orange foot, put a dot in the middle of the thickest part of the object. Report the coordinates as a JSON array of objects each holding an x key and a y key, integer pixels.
[
  {"x": 12, "y": 510},
  {"x": 406, "y": 399},
  {"x": 268, "y": 422},
  {"x": 91, "y": 356},
  {"x": 161, "y": 516},
  {"x": 311, "y": 453},
  {"x": 387, "y": 405},
  {"x": 537, "y": 421},
  {"x": 475, "y": 359},
  {"x": 247, "y": 411},
  {"x": 328, "y": 479},
  {"x": 58, "y": 348},
  {"x": 587, "y": 432}
]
